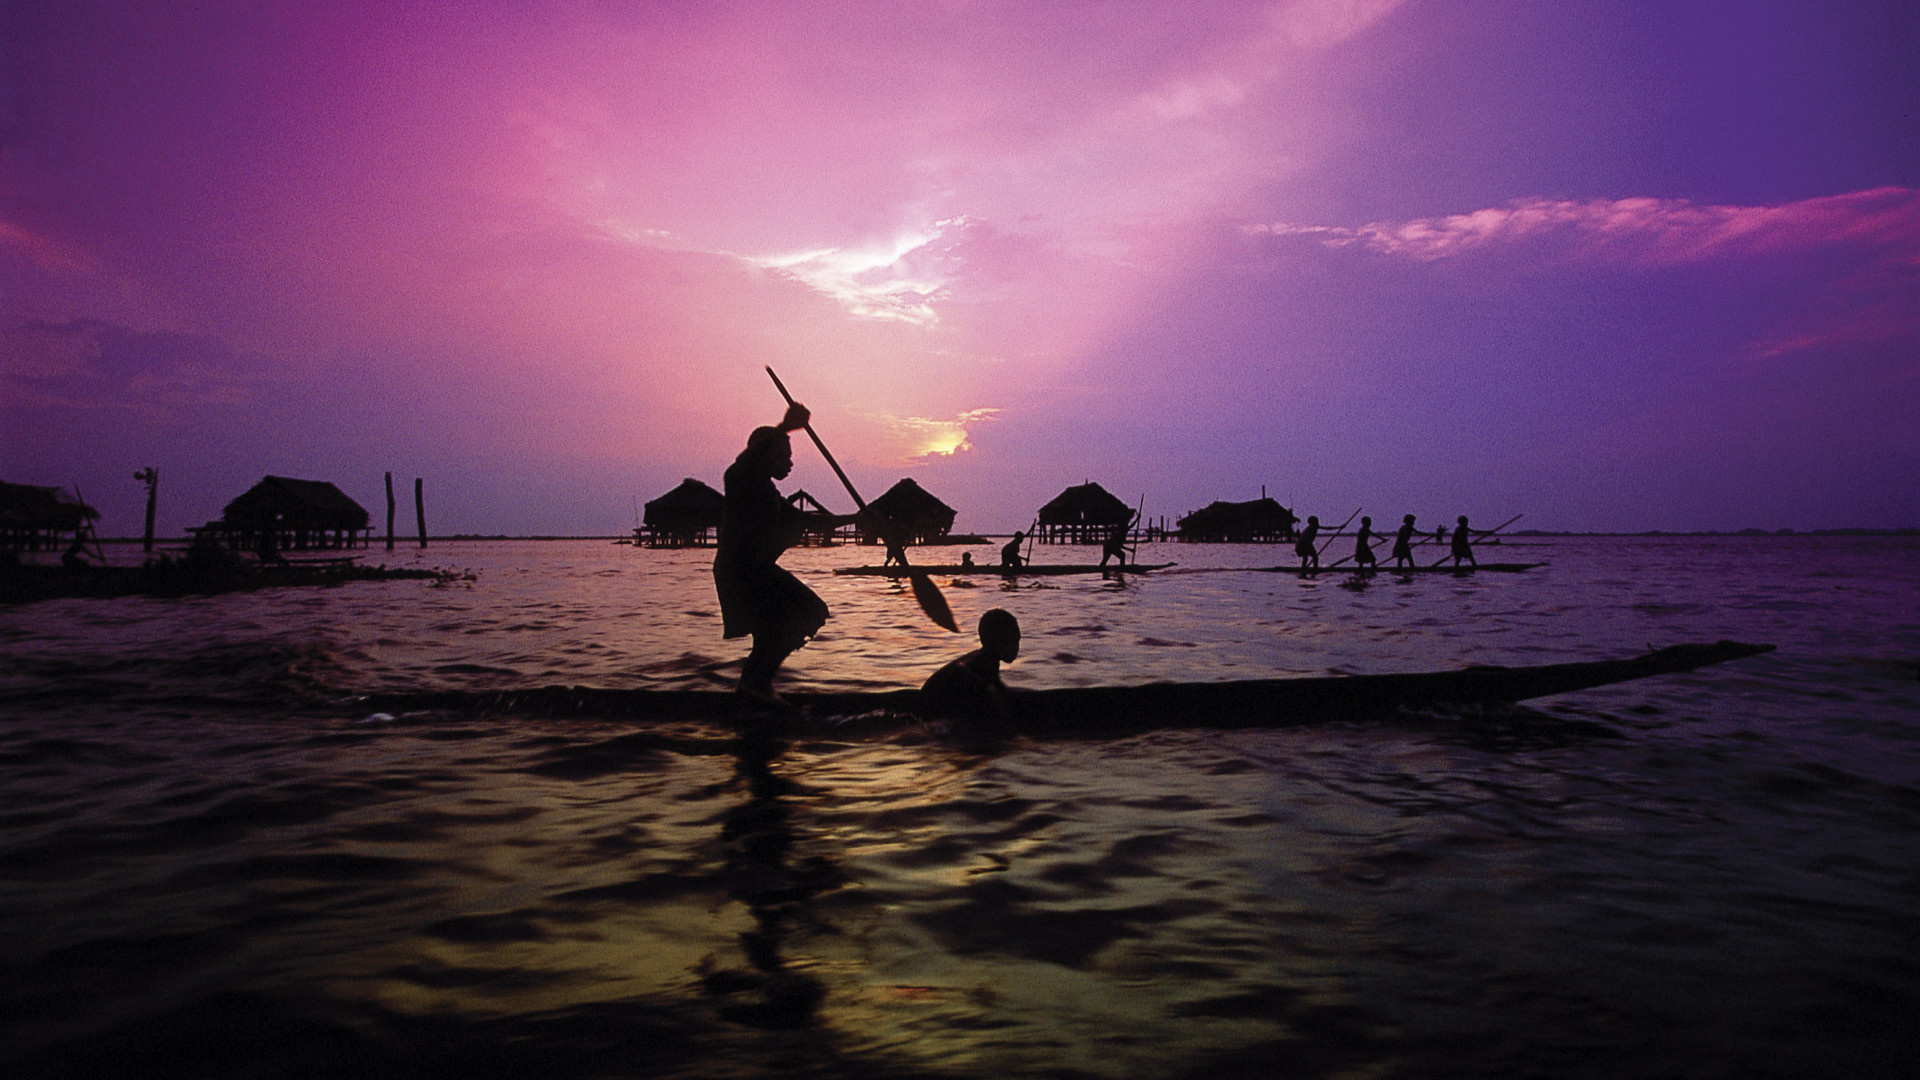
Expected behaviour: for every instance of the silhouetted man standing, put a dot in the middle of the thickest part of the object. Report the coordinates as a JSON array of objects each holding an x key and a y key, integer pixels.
[{"x": 757, "y": 596}]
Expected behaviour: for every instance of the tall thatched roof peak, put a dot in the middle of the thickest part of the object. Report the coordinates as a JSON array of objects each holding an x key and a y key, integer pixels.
[
  {"x": 314, "y": 503},
  {"x": 1086, "y": 504}
]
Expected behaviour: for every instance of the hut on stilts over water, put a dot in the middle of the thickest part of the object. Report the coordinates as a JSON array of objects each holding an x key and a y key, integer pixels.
[
  {"x": 687, "y": 516},
  {"x": 919, "y": 517},
  {"x": 1257, "y": 521},
  {"x": 1086, "y": 514},
  {"x": 36, "y": 518},
  {"x": 818, "y": 529},
  {"x": 283, "y": 514}
]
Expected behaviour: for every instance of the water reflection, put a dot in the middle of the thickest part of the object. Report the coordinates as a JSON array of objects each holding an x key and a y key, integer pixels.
[{"x": 760, "y": 871}]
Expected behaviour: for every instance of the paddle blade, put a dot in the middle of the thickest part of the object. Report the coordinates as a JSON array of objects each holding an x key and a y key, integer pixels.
[{"x": 932, "y": 601}]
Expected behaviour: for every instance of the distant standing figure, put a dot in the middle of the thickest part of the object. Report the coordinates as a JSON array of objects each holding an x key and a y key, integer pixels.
[
  {"x": 1463, "y": 542},
  {"x": 1306, "y": 545},
  {"x": 1010, "y": 552},
  {"x": 969, "y": 689},
  {"x": 1363, "y": 545},
  {"x": 1115, "y": 546},
  {"x": 757, "y": 596},
  {"x": 76, "y": 556},
  {"x": 1403, "y": 543},
  {"x": 966, "y": 560}
]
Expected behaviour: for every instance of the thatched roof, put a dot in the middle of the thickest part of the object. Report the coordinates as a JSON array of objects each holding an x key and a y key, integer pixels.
[
  {"x": 913, "y": 506},
  {"x": 1233, "y": 520},
  {"x": 692, "y": 505},
  {"x": 1088, "y": 504},
  {"x": 286, "y": 503},
  {"x": 25, "y": 506}
]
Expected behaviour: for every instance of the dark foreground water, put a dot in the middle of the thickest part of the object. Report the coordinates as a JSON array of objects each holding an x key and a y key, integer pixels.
[{"x": 213, "y": 863}]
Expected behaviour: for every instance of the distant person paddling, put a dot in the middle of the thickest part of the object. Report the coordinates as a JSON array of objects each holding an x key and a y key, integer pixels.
[
  {"x": 1363, "y": 546},
  {"x": 1403, "y": 543},
  {"x": 757, "y": 596},
  {"x": 1306, "y": 545},
  {"x": 1463, "y": 542},
  {"x": 1115, "y": 546},
  {"x": 1010, "y": 551}
]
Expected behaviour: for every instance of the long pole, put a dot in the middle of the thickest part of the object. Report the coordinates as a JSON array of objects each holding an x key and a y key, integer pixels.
[
  {"x": 389, "y": 511},
  {"x": 84, "y": 528},
  {"x": 420, "y": 510},
  {"x": 1338, "y": 531},
  {"x": 152, "y": 496},
  {"x": 924, "y": 590},
  {"x": 1489, "y": 532}
]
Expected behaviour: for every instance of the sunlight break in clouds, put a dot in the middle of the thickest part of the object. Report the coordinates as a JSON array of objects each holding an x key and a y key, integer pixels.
[
  {"x": 1316, "y": 24},
  {"x": 924, "y": 438},
  {"x": 1658, "y": 231},
  {"x": 873, "y": 282}
]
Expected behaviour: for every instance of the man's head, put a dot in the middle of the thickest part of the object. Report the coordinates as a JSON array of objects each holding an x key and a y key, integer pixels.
[
  {"x": 1000, "y": 634},
  {"x": 773, "y": 451}
]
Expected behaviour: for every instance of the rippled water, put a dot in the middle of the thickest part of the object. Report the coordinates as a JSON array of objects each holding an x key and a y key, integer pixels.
[{"x": 213, "y": 863}]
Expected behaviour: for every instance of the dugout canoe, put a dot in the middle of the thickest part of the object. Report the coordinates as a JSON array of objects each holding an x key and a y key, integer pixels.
[
  {"x": 1030, "y": 569},
  {"x": 1384, "y": 568},
  {"x": 1100, "y": 710}
]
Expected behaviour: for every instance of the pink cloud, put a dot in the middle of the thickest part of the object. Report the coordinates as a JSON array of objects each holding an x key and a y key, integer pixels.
[
  {"x": 1642, "y": 230},
  {"x": 43, "y": 252}
]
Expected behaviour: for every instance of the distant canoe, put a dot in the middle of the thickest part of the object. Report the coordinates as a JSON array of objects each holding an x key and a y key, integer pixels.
[
  {"x": 1042, "y": 569},
  {"x": 1383, "y": 568}
]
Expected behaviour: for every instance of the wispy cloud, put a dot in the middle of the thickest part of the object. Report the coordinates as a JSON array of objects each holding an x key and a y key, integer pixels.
[
  {"x": 1316, "y": 24},
  {"x": 881, "y": 280},
  {"x": 45, "y": 253},
  {"x": 920, "y": 437},
  {"x": 1646, "y": 230}
]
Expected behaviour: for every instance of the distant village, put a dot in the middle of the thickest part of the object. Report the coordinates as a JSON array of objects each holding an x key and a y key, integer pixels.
[{"x": 283, "y": 514}]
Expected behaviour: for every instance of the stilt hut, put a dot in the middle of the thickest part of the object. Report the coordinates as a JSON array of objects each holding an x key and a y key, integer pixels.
[
  {"x": 41, "y": 518},
  {"x": 1087, "y": 514},
  {"x": 283, "y": 514},
  {"x": 915, "y": 512},
  {"x": 818, "y": 530},
  {"x": 687, "y": 516},
  {"x": 1257, "y": 521}
]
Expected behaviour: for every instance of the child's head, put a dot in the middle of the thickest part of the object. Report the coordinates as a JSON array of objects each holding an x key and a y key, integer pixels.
[{"x": 1000, "y": 634}]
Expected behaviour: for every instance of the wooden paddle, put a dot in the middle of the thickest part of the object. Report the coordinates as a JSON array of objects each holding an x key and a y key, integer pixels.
[
  {"x": 1489, "y": 532},
  {"x": 924, "y": 590}
]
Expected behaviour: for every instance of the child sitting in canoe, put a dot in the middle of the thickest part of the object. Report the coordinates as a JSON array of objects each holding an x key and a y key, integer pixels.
[{"x": 969, "y": 690}]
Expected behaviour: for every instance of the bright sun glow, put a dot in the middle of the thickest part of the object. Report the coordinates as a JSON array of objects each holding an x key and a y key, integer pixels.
[{"x": 920, "y": 437}]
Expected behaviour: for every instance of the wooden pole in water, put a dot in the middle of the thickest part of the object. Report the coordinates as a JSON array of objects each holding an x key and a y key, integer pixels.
[
  {"x": 152, "y": 478},
  {"x": 389, "y": 510},
  {"x": 420, "y": 511}
]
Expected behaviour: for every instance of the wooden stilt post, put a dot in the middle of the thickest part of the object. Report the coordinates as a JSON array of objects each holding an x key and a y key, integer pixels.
[
  {"x": 389, "y": 511},
  {"x": 420, "y": 511},
  {"x": 151, "y": 477}
]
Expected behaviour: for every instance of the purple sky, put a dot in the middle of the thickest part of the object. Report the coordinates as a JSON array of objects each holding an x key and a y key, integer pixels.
[{"x": 1614, "y": 265}]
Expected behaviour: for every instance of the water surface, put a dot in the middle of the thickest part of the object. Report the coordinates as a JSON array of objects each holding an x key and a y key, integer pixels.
[{"x": 213, "y": 863}]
